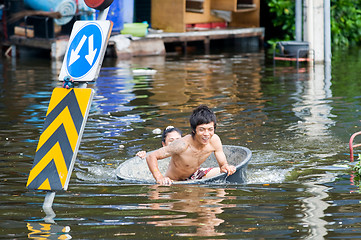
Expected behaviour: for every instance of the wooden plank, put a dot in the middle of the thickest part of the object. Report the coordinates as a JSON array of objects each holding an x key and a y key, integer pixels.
[
  {"x": 24, "y": 31},
  {"x": 168, "y": 15},
  {"x": 234, "y": 5},
  {"x": 41, "y": 43},
  {"x": 171, "y": 15},
  {"x": 204, "y": 17},
  {"x": 226, "y": 5},
  {"x": 57, "y": 46},
  {"x": 209, "y": 34},
  {"x": 195, "y": 6},
  {"x": 246, "y": 19}
]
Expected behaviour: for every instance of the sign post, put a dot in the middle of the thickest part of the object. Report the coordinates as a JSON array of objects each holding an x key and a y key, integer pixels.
[{"x": 69, "y": 107}]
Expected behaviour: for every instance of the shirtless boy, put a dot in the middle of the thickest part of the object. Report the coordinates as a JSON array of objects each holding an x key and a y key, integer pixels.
[
  {"x": 169, "y": 135},
  {"x": 189, "y": 152}
]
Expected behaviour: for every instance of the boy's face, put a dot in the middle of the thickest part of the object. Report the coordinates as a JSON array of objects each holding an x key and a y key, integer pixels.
[
  {"x": 204, "y": 133},
  {"x": 171, "y": 136}
]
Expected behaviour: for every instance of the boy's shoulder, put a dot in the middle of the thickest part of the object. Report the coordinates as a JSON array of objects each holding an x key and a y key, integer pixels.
[
  {"x": 187, "y": 138},
  {"x": 215, "y": 138},
  {"x": 179, "y": 145}
]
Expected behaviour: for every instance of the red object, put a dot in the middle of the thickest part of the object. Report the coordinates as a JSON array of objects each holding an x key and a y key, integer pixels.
[
  {"x": 77, "y": 3},
  {"x": 293, "y": 59},
  {"x": 351, "y": 145},
  {"x": 219, "y": 25},
  {"x": 210, "y": 25},
  {"x": 98, "y": 4},
  {"x": 202, "y": 25}
]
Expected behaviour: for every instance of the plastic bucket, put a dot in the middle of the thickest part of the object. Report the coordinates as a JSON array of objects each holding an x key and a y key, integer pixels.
[
  {"x": 135, "y": 29},
  {"x": 291, "y": 48},
  {"x": 66, "y": 8}
]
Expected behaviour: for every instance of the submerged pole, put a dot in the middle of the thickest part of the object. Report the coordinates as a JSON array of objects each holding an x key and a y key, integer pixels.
[
  {"x": 327, "y": 26},
  {"x": 49, "y": 199},
  {"x": 298, "y": 20}
]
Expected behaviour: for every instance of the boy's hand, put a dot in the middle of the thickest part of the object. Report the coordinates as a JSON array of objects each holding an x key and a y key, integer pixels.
[
  {"x": 164, "y": 181},
  {"x": 229, "y": 169},
  {"x": 141, "y": 154}
]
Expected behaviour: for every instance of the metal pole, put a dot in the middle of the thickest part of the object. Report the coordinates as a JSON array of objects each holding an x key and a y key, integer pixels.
[
  {"x": 49, "y": 198},
  {"x": 327, "y": 26},
  {"x": 298, "y": 20},
  {"x": 103, "y": 14},
  {"x": 82, "y": 85}
]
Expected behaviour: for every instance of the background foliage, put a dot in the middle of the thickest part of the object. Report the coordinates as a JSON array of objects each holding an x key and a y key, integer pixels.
[{"x": 345, "y": 21}]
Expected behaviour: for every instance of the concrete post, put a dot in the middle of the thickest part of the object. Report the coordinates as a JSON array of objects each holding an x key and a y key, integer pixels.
[
  {"x": 308, "y": 20},
  {"x": 314, "y": 31},
  {"x": 328, "y": 53}
]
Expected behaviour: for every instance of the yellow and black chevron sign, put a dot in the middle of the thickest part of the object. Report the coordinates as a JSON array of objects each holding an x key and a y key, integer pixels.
[{"x": 59, "y": 142}]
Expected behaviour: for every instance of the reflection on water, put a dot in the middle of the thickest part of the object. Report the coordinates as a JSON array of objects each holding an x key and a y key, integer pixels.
[
  {"x": 316, "y": 205},
  {"x": 296, "y": 122},
  {"x": 312, "y": 106},
  {"x": 200, "y": 207},
  {"x": 47, "y": 231}
]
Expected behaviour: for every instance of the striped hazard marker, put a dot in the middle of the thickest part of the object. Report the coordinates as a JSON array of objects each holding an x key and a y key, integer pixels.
[{"x": 59, "y": 142}]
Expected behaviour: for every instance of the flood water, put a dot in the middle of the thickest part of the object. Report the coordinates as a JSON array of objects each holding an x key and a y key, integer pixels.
[{"x": 296, "y": 122}]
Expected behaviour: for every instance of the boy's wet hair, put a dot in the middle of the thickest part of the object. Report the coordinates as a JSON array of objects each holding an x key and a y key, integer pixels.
[
  {"x": 168, "y": 130},
  {"x": 202, "y": 115}
]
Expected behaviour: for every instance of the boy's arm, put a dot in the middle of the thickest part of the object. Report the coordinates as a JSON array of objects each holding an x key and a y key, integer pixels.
[
  {"x": 221, "y": 157},
  {"x": 152, "y": 161}
]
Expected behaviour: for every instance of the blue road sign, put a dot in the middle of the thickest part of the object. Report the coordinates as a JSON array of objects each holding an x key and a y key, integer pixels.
[{"x": 86, "y": 50}]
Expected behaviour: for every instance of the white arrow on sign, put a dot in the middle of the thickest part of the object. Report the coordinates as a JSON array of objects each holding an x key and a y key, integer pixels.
[
  {"x": 91, "y": 54},
  {"x": 75, "y": 54}
]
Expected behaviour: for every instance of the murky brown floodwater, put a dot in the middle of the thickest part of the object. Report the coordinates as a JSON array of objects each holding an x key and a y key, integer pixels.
[{"x": 297, "y": 124}]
